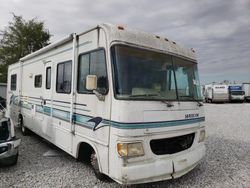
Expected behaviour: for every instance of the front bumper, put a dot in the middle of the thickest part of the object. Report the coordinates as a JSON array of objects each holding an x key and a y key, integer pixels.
[
  {"x": 8, "y": 150},
  {"x": 169, "y": 167},
  {"x": 237, "y": 98}
]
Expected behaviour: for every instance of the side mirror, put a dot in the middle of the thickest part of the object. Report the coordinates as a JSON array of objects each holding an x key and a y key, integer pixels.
[{"x": 91, "y": 82}]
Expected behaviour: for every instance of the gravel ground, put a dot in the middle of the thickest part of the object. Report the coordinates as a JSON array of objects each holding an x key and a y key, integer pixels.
[{"x": 227, "y": 161}]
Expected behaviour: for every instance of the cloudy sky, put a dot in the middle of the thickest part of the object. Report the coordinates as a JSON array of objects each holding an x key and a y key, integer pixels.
[{"x": 219, "y": 30}]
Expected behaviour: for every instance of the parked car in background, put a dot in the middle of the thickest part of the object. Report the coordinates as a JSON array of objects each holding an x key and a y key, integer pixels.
[
  {"x": 246, "y": 88},
  {"x": 8, "y": 141}
]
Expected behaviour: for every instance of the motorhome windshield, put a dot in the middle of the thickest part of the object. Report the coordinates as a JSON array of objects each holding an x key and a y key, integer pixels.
[{"x": 147, "y": 75}]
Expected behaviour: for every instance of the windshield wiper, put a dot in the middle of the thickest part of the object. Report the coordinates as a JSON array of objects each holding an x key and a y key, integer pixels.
[
  {"x": 192, "y": 97},
  {"x": 168, "y": 103}
]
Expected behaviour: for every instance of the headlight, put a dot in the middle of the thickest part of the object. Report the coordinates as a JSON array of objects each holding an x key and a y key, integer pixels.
[
  {"x": 130, "y": 149},
  {"x": 3, "y": 149},
  {"x": 202, "y": 136}
]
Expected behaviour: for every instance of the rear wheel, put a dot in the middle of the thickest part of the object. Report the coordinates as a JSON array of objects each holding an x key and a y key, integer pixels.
[{"x": 95, "y": 166}]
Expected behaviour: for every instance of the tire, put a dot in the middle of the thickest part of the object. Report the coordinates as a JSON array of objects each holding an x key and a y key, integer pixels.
[
  {"x": 14, "y": 160},
  {"x": 95, "y": 165},
  {"x": 10, "y": 161},
  {"x": 24, "y": 130}
]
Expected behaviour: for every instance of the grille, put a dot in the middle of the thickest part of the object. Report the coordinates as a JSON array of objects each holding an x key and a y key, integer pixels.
[
  {"x": 172, "y": 145},
  {"x": 4, "y": 131}
]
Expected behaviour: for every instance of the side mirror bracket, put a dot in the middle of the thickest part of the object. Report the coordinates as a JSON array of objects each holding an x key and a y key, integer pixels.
[{"x": 99, "y": 95}]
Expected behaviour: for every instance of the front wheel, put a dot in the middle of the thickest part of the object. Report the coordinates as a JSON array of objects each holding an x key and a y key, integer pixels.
[
  {"x": 14, "y": 160},
  {"x": 9, "y": 161},
  {"x": 24, "y": 130},
  {"x": 95, "y": 166}
]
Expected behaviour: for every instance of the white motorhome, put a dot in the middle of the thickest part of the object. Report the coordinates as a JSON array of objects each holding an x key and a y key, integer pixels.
[
  {"x": 127, "y": 100},
  {"x": 246, "y": 89},
  {"x": 216, "y": 93}
]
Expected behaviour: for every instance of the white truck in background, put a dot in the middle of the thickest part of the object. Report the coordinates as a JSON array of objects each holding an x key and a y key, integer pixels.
[
  {"x": 236, "y": 93},
  {"x": 216, "y": 93},
  {"x": 246, "y": 88}
]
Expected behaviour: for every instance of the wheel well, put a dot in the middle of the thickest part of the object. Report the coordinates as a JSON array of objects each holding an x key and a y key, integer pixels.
[
  {"x": 20, "y": 116},
  {"x": 84, "y": 152}
]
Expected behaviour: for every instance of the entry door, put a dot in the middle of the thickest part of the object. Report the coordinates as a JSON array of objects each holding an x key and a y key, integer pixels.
[
  {"x": 13, "y": 94},
  {"x": 47, "y": 127}
]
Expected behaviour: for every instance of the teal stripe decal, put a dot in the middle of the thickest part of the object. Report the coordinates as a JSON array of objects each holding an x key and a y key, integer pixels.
[
  {"x": 156, "y": 124},
  {"x": 82, "y": 120}
]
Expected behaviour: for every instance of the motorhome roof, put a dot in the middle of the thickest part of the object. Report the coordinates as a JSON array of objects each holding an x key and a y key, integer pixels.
[
  {"x": 142, "y": 38},
  {"x": 123, "y": 34}
]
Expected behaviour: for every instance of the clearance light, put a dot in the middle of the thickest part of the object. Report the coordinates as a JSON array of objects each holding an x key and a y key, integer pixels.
[
  {"x": 202, "y": 136},
  {"x": 130, "y": 149},
  {"x": 120, "y": 27}
]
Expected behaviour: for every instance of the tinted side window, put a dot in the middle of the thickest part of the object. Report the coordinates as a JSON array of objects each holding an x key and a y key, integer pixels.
[
  {"x": 83, "y": 71},
  {"x": 92, "y": 63},
  {"x": 48, "y": 77},
  {"x": 63, "y": 79},
  {"x": 13, "y": 82},
  {"x": 38, "y": 80}
]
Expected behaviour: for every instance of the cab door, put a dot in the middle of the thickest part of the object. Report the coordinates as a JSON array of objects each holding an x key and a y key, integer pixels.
[{"x": 91, "y": 111}]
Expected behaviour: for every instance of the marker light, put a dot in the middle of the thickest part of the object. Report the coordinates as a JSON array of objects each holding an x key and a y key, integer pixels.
[
  {"x": 130, "y": 149},
  {"x": 202, "y": 135},
  {"x": 120, "y": 27}
]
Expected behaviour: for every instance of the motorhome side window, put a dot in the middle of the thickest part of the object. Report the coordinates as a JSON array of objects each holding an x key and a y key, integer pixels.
[
  {"x": 92, "y": 64},
  {"x": 38, "y": 81},
  {"x": 63, "y": 78},
  {"x": 48, "y": 77},
  {"x": 13, "y": 82}
]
